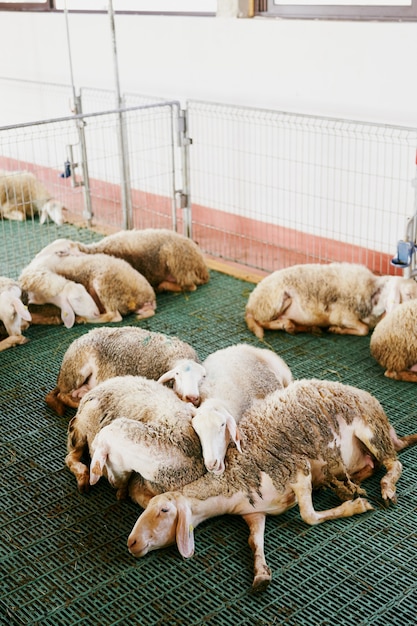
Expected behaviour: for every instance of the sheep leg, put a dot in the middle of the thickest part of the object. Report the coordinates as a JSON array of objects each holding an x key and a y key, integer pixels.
[
  {"x": 167, "y": 285},
  {"x": 13, "y": 340},
  {"x": 77, "y": 446},
  {"x": 54, "y": 402},
  {"x": 302, "y": 489},
  {"x": 79, "y": 469},
  {"x": 350, "y": 327},
  {"x": 11, "y": 212},
  {"x": 393, "y": 466},
  {"x": 262, "y": 573},
  {"x": 406, "y": 375},
  {"x": 109, "y": 316}
]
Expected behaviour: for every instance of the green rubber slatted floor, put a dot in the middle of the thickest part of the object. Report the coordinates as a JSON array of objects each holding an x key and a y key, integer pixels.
[{"x": 63, "y": 556}]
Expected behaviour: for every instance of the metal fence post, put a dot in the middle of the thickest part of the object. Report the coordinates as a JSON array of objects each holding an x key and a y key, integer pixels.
[
  {"x": 80, "y": 123},
  {"x": 184, "y": 193}
]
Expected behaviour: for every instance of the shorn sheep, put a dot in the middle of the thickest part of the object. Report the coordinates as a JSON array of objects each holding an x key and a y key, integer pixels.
[
  {"x": 236, "y": 376},
  {"x": 103, "y": 353},
  {"x": 116, "y": 287},
  {"x": 22, "y": 195},
  {"x": 170, "y": 261},
  {"x": 162, "y": 447},
  {"x": 394, "y": 342},
  {"x": 13, "y": 313},
  {"x": 344, "y": 298},
  {"x": 311, "y": 434}
]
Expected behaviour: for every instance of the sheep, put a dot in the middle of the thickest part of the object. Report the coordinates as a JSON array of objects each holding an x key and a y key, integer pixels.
[
  {"x": 106, "y": 352},
  {"x": 235, "y": 377},
  {"x": 345, "y": 298},
  {"x": 23, "y": 195},
  {"x": 116, "y": 287},
  {"x": 314, "y": 433},
  {"x": 161, "y": 445},
  {"x": 43, "y": 286},
  {"x": 13, "y": 313},
  {"x": 394, "y": 342},
  {"x": 170, "y": 261}
]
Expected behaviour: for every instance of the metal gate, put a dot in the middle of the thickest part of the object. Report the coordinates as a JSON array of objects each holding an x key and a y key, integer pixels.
[{"x": 111, "y": 169}]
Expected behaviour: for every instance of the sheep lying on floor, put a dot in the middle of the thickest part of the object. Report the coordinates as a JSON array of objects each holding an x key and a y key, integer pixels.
[
  {"x": 22, "y": 195},
  {"x": 155, "y": 438},
  {"x": 169, "y": 261},
  {"x": 115, "y": 286},
  {"x": 344, "y": 298},
  {"x": 236, "y": 376},
  {"x": 13, "y": 313},
  {"x": 103, "y": 353},
  {"x": 394, "y": 342},
  {"x": 311, "y": 434},
  {"x": 72, "y": 299}
]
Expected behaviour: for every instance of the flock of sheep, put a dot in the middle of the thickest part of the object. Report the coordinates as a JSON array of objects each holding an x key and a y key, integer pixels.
[{"x": 188, "y": 440}]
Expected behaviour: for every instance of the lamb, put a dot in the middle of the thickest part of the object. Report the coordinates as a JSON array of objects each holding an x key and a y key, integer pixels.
[
  {"x": 23, "y": 195},
  {"x": 116, "y": 287},
  {"x": 311, "y": 434},
  {"x": 394, "y": 342},
  {"x": 236, "y": 376},
  {"x": 345, "y": 298},
  {"x": 103, "y": 353},
  {"x": 75, "y": 303},
  {"x": 160, "y": 444},
  {"x": 13, "y": 313},
  {"x": 170, "y": 261}
]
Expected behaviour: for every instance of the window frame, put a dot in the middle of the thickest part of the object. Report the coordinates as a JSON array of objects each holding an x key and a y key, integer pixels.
[
  {"x": 400, "y": 13},
  {"x": 50, "y": 5},
  {"x": 46, "y": 5}
]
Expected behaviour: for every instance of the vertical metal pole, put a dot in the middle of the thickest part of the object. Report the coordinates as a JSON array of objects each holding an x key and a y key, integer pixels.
[
  {"x": 87, "y": 212},
  {"x": 185, "y": 198},
  {"x": 121, "y": 134}
]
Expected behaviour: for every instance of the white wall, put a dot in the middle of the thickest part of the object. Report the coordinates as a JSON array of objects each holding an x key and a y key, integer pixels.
[{"x": 343, "y": 69}]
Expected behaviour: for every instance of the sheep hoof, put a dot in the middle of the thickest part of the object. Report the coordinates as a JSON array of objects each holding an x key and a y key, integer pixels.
[
  {"x": 84, "y": 483},
  {"x": 261, "y": 581}
]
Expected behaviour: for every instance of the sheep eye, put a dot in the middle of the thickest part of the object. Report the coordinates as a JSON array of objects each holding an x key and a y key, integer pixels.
[{"x": 164, "y": 510}]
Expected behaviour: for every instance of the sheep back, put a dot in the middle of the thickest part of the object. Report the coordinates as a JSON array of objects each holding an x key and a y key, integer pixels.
[
  {"x": 289, "y": 428},
  {"x": 161, "y": 255}
]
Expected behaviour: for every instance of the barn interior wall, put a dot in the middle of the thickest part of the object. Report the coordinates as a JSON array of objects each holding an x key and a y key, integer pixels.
[{"x": 337, "y": 68}]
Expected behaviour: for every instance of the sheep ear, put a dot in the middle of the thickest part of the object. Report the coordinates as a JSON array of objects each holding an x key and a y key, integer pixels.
[
  {"x": 166, "y": 377},
  {"x": 43, "y": 216},
  {"x": 185, "y": 530},
  {"x": 233, "y": 430},
  {"x": 67, "y": 313},
  {"x": 21, "y": 309},
  {"x": 97, "y": 463}
]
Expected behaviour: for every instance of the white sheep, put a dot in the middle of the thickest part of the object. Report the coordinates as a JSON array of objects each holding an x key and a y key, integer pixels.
[
  {"x": 163, "y": 446},
  {"x": 311, "y": 434},
  {"x": 170, "y": 261},
  {"x": 236, "y": 376},
  {"x": 75, "y": 303},
  {"x": 116, "y": 287},
  {"x": 344, "y": 298},
  {"x": 103, "y": 353},
  {"x": 23, "y": 195},
  {"x": 394, "y": 342},
  {"x": 13, "y": 313}
]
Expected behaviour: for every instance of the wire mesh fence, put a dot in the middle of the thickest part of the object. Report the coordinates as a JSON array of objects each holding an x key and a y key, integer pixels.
[
  {"x": 78, "y": 160},
  {"x": 271, "y": 188},
  {"x": 267, "y": 189}
]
